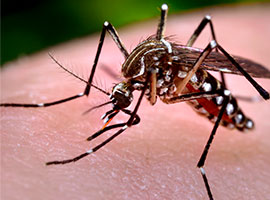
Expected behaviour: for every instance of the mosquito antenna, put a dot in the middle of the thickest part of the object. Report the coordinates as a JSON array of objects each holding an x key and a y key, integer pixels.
[
  {"x": 76, "y": 76},
  {"x": 95, "y": 107}
]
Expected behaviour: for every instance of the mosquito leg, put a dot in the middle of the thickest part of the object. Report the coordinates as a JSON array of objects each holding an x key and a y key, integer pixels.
[
  {"x": 123, "y": 125},
  {"x": 153, "y": 87},
  {"x": 223, "y": 82},
  {"x": 209, "y": 142},
  {"x": 262, "y": 92},
  {"x": 197, "y": 32},
  {"x": 106, "y": 27},
  {"x": 137, "y": 118},
  {"x": 98, "y": 133},
  {"x": 109, "y": 117},
  {"x": 195, "y": 95},
  {"x": 196, "y": 65},
  {"x": 204, "y": 22},
  {"x": 54, "y": 102},
  {"x": 161, "y": 25},
  {"x": 126, "y": 125},
  {"x": 199, "y": 29},
  {"x": 42, "y": 104},
  {"x": 51, "y": 103}
]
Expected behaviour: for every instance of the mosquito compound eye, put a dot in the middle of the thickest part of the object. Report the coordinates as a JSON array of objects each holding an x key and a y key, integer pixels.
[{"x": 121, "y": 100}]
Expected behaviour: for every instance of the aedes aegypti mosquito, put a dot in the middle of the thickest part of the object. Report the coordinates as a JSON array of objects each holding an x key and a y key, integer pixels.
[{"x": 175, "y": 73}]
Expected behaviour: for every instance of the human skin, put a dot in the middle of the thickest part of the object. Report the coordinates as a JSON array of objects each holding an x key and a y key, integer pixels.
[{"x": 153, "y": 160}]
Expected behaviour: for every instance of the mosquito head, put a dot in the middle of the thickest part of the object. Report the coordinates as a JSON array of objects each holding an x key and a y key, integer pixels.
[{"x": 122, "y": 95}]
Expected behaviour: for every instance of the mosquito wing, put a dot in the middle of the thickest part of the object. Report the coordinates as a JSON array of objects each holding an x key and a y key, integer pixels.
[{"x": 216, "y": 61}]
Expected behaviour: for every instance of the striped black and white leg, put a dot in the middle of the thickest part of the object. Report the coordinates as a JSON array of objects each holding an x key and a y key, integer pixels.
[
  {"x": 133, "y": 119},
  {"x": 106, "y": 27},
  {"x": 203, "y": 157}
]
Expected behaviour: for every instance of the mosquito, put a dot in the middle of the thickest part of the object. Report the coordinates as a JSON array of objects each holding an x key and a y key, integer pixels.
[{"x": 175, "y": 73}]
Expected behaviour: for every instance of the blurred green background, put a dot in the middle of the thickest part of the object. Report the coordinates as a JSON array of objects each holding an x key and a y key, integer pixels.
[{"x": 30, "y": 25}]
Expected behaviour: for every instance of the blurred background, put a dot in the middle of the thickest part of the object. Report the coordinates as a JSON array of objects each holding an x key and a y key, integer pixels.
[{"x": 28, "y": 26}]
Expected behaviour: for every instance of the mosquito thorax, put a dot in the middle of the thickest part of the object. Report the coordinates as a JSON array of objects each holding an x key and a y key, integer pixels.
[
  {"x": 148, "y": 53},
  {"x": 122, "y": 95}
]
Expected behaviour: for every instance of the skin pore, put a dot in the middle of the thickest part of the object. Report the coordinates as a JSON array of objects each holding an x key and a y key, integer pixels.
[{"x": 153, "y": 160}]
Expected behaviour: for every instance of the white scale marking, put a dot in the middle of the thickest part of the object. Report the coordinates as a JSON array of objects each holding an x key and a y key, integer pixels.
[
  {"x": 163, "y": 90},
  {"x": 182, "y": 74},
  {"x": 213, "y": 44},
  {"x": 229, "y": 108},
  {"x": 160, "y": 83},
  {"x": 137, "y": 85},
  {"x": 214, "y": 119},
  {"x": 157, "y": 63},
  {"x": 173, "y": 88},
  {"x": 225, "y": 70},
  {"x": 102, "y": 117},
  {"x": 227, "y": 92},
  {"x": 164, "y": 7},
  {"x": 124, "y": 127},
  {"x": 202, "y": 111},
  {"x": 175, "y": 58},
  {"x": 151, "y": 50},
  {"x": 105, "y": 120},
  {"x": 202, "y": 171},
  {"x": 169, "y": 72},
  {"x": 167, "y": 78},
  {"x": 238, "y": 118},
  {"x": 208, "y": 17},
  {"x": 167, "y": 44},
  {"x": 249, "y": 124},
  {"x": 142, "y": 67},
  {"x": 219, "y": 100},
  {"x": 155, "y": 58},
  {"x": 194, "y": 78},
  {"x": 89, "y": 151},
  {"x": 207, "y": 87}
]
